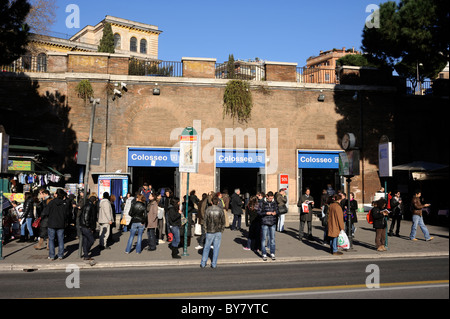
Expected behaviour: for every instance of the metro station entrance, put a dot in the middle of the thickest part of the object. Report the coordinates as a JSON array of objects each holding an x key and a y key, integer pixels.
[
  {"x": 243, "y": 169},
  {"x": 158, "y": 167},
  {"x": 317, "y": 169}
]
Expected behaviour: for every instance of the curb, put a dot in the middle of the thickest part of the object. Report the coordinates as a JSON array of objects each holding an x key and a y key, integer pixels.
[{"x": 109, "y": 265}]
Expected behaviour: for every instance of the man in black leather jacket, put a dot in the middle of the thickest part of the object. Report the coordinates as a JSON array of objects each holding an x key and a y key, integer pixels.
[{"x": 88, "y": 223}]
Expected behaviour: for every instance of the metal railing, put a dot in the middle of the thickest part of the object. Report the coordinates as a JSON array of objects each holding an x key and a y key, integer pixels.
[
  {"x": 241, "y": 70},
  {"x": 155, "y": 68},
  {"x": 317, "y": 75},
  {"x": 422, "y": 88},
  {"x": 27, "y": 63}
]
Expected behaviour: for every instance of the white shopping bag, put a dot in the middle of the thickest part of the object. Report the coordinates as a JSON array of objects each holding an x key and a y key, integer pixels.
[{"x": 343, "y": 241}]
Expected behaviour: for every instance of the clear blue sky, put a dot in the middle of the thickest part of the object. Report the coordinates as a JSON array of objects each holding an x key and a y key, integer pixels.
[{"x": 283, "y": 30}]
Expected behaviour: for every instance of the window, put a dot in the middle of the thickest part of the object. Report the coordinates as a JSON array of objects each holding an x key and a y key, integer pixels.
[
  {"x": 144, "y": 46},
  {"x": 41, "y": 62},
  {"x": 117, "y": 41},
  {"x": 133, "y": 44}
]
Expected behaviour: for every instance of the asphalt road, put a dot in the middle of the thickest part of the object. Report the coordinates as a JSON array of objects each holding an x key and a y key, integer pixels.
[{"x": 397, "y": 278}]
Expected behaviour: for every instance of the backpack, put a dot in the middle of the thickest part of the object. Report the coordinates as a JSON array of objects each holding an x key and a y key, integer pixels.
[{"x": 369, "y": 217}]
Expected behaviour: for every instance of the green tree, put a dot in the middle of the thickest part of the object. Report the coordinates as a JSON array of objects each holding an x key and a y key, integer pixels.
[
  {"x": 13, "y": 29},
  {"x": 107, "y": 41},
  {"x": 230, "y": 67},
  {"x": 411, "y": 34}
]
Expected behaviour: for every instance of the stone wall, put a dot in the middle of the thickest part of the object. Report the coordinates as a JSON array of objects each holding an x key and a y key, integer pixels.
[{"x": 140, "y": 118}]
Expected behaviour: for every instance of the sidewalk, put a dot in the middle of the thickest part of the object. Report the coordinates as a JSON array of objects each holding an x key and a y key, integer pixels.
[{"x": 23, "y": 257}]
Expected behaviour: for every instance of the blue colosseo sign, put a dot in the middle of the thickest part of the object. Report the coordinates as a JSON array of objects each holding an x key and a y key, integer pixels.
[
  {"x": 153, "y": 157},
  {"x": 318, "y": 159},
  {"x": 229, "y": 158}
]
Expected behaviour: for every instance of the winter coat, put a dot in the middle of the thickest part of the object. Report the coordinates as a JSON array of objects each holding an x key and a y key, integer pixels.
[
  {"x": 236, "y": 204},
  {"x": 88, "y": 217},
  {"x": 138, "y": 213},
  {"x": 282, "y": 201},
  {"x": 174, "y": 217},
  {"x": 379, "y": 220},
  {"x": 335, "y": 220},
  {"x": 152, "y": 216},
  {"x": 214, "y": 219},
  {"x": 305, "y": 217},
  {"x": 105, "y": 213},
  {"x": 28, "y": 209},
  {"x": 265, "y": 207},
  {"x": 58, "y": 213}
]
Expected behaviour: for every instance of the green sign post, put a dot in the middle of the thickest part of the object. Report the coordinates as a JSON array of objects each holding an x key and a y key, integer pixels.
[{"x": 188, "y": 164}]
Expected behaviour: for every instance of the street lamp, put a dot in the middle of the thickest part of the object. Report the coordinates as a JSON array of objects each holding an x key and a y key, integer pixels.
[{"x": 88, "y": 165}]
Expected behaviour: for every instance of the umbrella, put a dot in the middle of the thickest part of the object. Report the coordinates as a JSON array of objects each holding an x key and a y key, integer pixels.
[
  {"x": 5, "y": 203},
  {"x": 419, "y": 167}
]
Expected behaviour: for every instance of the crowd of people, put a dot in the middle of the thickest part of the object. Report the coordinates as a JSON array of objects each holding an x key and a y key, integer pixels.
[{"x": 45, "y": 220}]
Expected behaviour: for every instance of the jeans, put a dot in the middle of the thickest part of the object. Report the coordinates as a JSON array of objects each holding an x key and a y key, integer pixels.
[
  {"x": 151, "y": 233},
  {"x": 237, "y": 220},
  {"x": 88, "y": 240},
  {"x": 333, "y": 244},
  {"x": 139, "y": 228},
  {"x": 214, "y": 239},
  {"x": 51, "y": 242},
  {"x": 418, "y": 220},
  {"x": 176, "y": 236},
  {"x": 268, "y": 230},
  {"x": 27, "y": 223}
]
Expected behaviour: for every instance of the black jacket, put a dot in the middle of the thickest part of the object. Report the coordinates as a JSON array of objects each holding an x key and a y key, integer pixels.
[
  {"x": 379, "y": 220},
  {"x": 174, "y": 216},
  {"x": 28, "y": 208},
  {"x": 264, "y": 207},
  {"x": 88, "y": 216},
  {"x": 138, "y": 213},
  {"x": 58, "y": 211},
  {"x": 236, "y": 204}
]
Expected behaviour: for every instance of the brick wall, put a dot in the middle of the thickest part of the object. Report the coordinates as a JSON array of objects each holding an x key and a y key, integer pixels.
[
  {"x": 280, "y": 71},
  {"x": 140, "y": 118},
  {"x": 101, "y": 63}
]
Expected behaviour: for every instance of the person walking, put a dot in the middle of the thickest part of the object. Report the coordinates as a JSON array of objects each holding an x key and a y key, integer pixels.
[
  {"x": 417, "y": 218},
  {"x": 105, "y": 220},
  {"x": 306, "y": 204},
  {"x": 88, "y": 224},
  {"x": 174, "y": 221},
  {"x": 397, "y": 214},
  {"x": 236, "y": 209},
  {"x": 58, "y": 213},
  {"x": 152, "y": 222},
  {"x": 379, "y": 214},
  {"x": 215, "y": 225},
  {"x": 138, "y": 215},
  {"x": 268, "y": 210},
  {"x": 335, "y": 222}
]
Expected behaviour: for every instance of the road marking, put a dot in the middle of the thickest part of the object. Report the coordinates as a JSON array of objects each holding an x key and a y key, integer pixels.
[{"x": 277, "y": 292}]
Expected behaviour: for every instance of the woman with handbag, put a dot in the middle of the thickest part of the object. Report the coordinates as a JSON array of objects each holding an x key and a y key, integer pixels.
[
  {"x": 335, "y": 223},
  {"x": 174, "y": 221}
]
